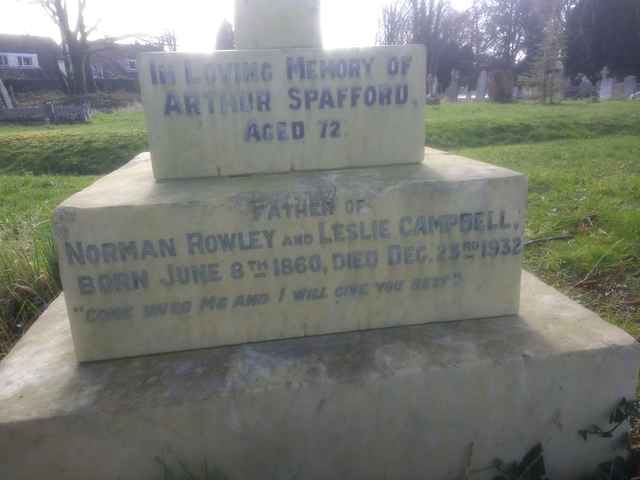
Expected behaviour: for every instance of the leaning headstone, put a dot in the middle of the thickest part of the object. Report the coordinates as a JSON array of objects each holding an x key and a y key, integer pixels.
[
  {"x": 5, "y": 98},
  {"x": 630, "y": 85},
  {"x": 605, "y": 91},
  {"x": 454, "y": 87},
  {"x": 481, "y": 90}
]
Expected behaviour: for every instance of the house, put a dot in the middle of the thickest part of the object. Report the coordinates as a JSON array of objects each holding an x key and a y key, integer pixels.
[
  {"x": 114, "y": 65},
  {"x": 29, "y": 63}
]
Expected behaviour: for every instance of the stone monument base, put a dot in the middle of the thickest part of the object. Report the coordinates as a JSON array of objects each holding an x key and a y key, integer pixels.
[{"x": 402, "y": 402}]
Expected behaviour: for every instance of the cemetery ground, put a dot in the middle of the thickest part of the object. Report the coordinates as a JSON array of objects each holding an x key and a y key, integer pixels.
[{"x": 582, "y": 158}]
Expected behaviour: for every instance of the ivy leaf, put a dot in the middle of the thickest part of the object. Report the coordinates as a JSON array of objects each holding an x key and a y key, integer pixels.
[
  {"x": 620, "y": 413},
  {"x": 616, "y": 469},
  {"x": 532, "y": 466}
]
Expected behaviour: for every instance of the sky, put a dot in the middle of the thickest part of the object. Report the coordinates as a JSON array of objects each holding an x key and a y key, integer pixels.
[{"x": 345, "y": 23}]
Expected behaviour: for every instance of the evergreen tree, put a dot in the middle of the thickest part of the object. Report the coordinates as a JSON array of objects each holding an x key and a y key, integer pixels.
[
  {"x": 603, "y": 33},
  {"x": 225, "y": 39}
]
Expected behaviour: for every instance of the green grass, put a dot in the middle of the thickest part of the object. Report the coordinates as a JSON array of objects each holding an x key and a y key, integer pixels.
[
  {"x": 107, "y": 142},
  {"x": 585, "y": 185},
  {"x": 455, "y": 126},
  {"x": 28, "y": 267}
]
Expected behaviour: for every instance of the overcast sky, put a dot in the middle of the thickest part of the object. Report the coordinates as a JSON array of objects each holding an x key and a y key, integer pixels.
[{"x": 345, "y": 23}]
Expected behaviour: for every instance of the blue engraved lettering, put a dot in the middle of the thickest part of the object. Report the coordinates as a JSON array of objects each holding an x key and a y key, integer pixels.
[{"x": 172, "y": 104}]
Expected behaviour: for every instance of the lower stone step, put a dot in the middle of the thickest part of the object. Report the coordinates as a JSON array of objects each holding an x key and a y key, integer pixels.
[{"x": 404, "y": 402}]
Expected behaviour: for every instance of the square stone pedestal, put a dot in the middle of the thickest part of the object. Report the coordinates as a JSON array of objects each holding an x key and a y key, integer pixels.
[
  {"x": 152, "y": 267},
  {"x": 403, "y": 402}
]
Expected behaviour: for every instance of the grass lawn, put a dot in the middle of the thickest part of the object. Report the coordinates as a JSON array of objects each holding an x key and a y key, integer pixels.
[
  {"x": 81, "y": 149},
  {"x": 28, "y": 269},
  {"x": 583, "y": 162}
]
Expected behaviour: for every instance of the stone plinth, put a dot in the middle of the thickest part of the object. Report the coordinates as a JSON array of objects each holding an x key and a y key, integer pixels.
[
  {"x": 403, "y": 403},
  {"x": 155, "y": 267},
  {"x": 263, "y": 24},
  {"x": 269, "y": 111}
]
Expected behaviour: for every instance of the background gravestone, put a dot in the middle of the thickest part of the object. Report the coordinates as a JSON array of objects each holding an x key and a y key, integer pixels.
[
  {"x": 501, "y": 86},
  {"x": 605, "y": 90},
  {"x": 630, "y": 86},
  {"x": 454, "y": 87},
  {"x": 585, "y": 88},
  {"x": 481, "y": 90}
]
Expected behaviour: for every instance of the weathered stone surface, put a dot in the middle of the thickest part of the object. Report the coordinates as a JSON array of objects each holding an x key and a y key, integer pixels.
[
  {"x": 268, "y": 24},
  {"x": 394, "y": 403},
  {"x": 267, "y": 111},
  {"x": 153, "y": 267}
]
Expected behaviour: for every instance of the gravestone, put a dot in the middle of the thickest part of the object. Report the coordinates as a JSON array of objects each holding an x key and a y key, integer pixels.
[
  {"x": 606, "y": 85},
  {"x": 516, "y": 92},
  {"x": 165, "y": 263},
  {"x": 481, "y": 90},
  {"x": 585, "y": 88},
  {"x": 433, "y": 90},
  {"x": 618, "y": 91},
  {"x": 630, "y": 85},
  {"x": 222, "y": 260},
  {"x": 454, "y": 87}
]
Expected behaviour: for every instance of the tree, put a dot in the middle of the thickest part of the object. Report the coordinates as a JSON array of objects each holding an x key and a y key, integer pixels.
[
  {"x": 439, "y": 28},
  {"x": 75, "y": 41},
  {"x": 546, "y": 72},
  {"x": 225, "y": 39},
  {"x": 604, "y": 33},
  {"x": 395, "y": 27},
  {"x": 511, "y": 28},
  {"x": 168, "y": 41}
]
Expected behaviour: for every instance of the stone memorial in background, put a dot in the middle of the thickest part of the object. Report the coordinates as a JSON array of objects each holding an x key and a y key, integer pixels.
[
  {"x": 432, "y": 85},
  {"x": 618, "y": 91},
  {"x": 605, "y": 89},
  {"x": 481, "y": 89},
  {"x": 194, "y": 246},
  {"x": 585, "y": 88},
  {"x": 454, "y": 86},
  {"x": 630, "y": 85}
]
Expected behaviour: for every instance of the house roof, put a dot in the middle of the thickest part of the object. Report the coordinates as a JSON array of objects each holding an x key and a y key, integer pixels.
[
  {"x": 48, "y": 54},
  {"x": 27, "y": 44},
  {"x": 112, "y": 58}
]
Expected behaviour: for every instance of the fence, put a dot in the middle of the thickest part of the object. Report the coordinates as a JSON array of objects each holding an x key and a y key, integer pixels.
[{"x": 48, "y": 113}]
